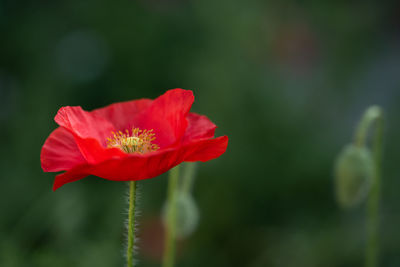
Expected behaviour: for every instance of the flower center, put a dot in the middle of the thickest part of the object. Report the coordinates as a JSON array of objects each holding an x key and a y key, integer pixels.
[{"x": 139, "y": 141}]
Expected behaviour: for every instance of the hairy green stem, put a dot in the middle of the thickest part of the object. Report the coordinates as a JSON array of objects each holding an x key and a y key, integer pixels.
[
  {"x": 170, "y": 235},
  {"x": 372, "y": 115},
  {"x": 131, "y": 224}
]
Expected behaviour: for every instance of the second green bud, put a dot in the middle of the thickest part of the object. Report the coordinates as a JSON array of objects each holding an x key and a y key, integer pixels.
[{"x": 353, "y": 175}]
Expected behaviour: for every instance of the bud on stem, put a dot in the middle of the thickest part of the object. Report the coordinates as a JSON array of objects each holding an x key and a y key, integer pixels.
[
  {"x": 358, "y": 175},
  {"x": 353, "y": 172}
]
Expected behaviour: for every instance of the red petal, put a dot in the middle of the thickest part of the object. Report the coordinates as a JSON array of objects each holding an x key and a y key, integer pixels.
[
  {"x": 205, "y": 150},
  {"x": 72, "y": 175},
  {"x": 122, "y": 115},
  {"x": 199, "y": 127},
  {"x": 95, "y": 153},
  {"x": 90, "y": 132},
  {"x": 138, "y": 166},
  {"x": 167, "y": 116},
  {"x": 84, "y": 124},
  {"x": 60, "y": 152}
]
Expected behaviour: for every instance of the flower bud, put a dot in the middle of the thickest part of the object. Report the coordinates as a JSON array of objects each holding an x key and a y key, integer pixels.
[
  {"x": 187, "y": 214},
  {"x": 353, "y": 175}
]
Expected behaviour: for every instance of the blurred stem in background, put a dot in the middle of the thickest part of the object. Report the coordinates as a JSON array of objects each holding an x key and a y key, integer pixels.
[
  {"x": 182, "y": 214},
  {"x": 373, "y": 115},
  {"x": 170, "y": 234},
  {"x": 358, "y": 176},
  {"x": 187, "y": 178},
  {"x": 131, "y": 224}
]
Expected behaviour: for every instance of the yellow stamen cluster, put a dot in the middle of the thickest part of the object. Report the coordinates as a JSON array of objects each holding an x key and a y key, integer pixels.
[{"x": 139, "y": 141}]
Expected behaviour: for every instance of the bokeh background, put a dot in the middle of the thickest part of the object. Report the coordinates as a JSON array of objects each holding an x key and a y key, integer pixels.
[{"x": 285, "y": 80}]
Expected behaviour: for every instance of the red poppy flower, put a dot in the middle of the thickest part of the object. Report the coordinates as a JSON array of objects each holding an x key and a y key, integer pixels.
[{"x": 132, "y": 140}]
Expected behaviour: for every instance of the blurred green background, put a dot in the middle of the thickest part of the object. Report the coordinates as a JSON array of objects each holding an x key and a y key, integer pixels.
[{"x": 285, "y": 80}]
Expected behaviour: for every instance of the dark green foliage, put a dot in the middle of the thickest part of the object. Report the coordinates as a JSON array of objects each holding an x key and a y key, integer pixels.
[{"x": 285, "y": 80}]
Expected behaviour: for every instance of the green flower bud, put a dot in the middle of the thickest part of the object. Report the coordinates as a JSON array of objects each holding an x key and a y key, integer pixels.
[
  {"x": 353, "y": 175},
  {"x": 187, "y": 214}
]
